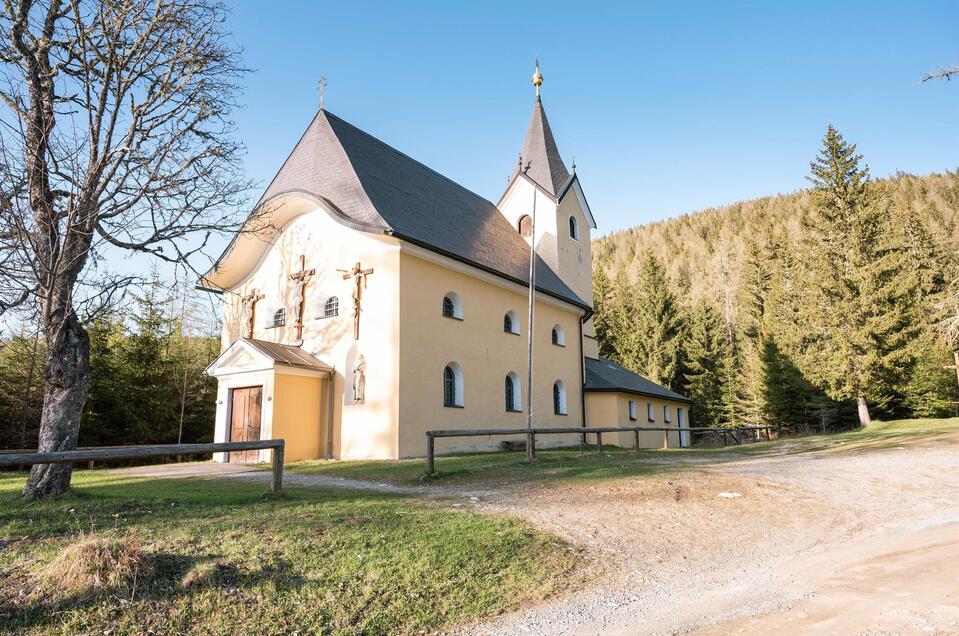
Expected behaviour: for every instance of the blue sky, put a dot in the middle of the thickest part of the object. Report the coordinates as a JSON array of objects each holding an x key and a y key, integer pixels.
[{"x": 667, "y": 107}]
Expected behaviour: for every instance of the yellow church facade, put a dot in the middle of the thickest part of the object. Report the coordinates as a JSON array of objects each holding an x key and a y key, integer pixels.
[{"x": 371, "y": 299}]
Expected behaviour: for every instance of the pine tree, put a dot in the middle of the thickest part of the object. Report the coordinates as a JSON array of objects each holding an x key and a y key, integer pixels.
[{"x": 861, "y": 313}]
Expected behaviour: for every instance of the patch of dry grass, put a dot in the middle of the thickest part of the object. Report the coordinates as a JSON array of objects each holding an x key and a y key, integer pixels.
[{"x": 95, "y": 564}]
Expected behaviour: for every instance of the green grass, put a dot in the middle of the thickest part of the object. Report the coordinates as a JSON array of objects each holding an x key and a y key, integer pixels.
[
  {"x": 312, "y": 561},
  {"x": 570, "y": 465},
  {"x": 496, "y": 468}
]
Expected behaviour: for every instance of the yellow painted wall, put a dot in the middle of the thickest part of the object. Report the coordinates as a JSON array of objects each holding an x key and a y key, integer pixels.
[
  {"x": 298, "y": 415},
  {"x": 484, "y": 352},
  {"x": 612, "y": 409}
]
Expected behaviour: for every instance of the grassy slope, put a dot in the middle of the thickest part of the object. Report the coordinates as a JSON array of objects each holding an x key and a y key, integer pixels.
[
  {"x": 314, "y": 561},
  {"x": 570, "y": 465}
]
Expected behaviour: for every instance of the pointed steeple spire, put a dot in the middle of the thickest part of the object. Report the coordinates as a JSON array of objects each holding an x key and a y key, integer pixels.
[{"x": 546, "y": 166}]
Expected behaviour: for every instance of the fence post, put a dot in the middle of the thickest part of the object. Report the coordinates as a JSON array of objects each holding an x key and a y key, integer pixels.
[
  {"x": 665, "y": 439},
  {"x": 724, "y": 438},
  {"x": 599, "y": 443},
  {"x": 430, "y": 469},
  {"x": 532, "y": 445},
  {"x": 636, "y": 440},
  {"x": 276, "y": 485}
]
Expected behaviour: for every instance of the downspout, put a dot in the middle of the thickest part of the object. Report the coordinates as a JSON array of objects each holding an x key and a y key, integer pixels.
[
  {"x": 582, "y": 371},
  {"x": 329, "y": 412}
]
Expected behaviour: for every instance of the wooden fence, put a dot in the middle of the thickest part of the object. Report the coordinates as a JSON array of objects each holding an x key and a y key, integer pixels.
[
  {"x": 531, "y": 434},
  {"x": 160, "y": 450}
]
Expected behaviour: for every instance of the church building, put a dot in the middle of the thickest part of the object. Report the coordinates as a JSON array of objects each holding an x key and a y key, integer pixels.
[{"x": 370, "y": 299}]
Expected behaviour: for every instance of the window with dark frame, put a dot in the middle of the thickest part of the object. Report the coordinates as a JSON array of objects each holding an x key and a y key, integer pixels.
[
  {"x": 573, "y": 228},
  {"x": 449, "y": 309},
  {"x": 510, "y": 394},
  {"x": 449, "y": 387},
  {"x": 507, "y": 324}
]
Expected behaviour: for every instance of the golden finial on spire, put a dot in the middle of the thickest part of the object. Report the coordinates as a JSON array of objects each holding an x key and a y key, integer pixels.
[{"x": 537, "y": 79}]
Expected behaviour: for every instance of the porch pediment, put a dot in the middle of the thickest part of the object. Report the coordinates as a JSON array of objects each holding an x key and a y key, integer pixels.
[{"x": 247, "y": 355}]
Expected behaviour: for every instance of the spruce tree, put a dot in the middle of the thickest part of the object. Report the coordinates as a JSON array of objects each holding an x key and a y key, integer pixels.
[
  {"x": 861, "y": 311},
  {"x": 706, "y": 356},
  {"x": 651, "y": 326}
]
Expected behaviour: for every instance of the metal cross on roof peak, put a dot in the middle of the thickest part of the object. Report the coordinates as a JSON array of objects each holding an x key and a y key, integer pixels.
[{"x": 321, "y": 87}]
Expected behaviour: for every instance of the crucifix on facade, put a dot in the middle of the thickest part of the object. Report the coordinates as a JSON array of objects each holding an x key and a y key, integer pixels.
[
  {"x": 358, "y": 274},
  {"x": 249, "y": 310},
  {"x": 299, "y": 297}
]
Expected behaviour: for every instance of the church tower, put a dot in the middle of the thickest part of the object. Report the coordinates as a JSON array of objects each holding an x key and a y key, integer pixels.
[{"x": 563, "y": 218}]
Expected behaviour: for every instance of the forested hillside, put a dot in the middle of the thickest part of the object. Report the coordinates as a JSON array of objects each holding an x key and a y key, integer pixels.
[
  {"x": 784, "y": 309},
  {"x": 147, "y": 383}
]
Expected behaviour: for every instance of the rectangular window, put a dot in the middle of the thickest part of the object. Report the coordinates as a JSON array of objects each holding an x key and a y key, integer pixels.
[
  {"x": 666, "y": 413},
  {"x": 649, "y": 412},
  {"x": 632, "y": 410}
]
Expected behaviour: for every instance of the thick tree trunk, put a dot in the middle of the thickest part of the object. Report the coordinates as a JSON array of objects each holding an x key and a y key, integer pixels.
[
  {"x": 864, "y": 417},
  {"x": 67, "y": 376}
]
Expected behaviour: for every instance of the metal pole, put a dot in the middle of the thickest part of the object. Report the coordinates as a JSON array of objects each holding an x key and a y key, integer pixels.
[{"x": 530, "y": 453}]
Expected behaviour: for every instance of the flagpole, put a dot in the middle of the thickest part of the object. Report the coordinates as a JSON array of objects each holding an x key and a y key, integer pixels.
[{"x": 530, "y": 454}]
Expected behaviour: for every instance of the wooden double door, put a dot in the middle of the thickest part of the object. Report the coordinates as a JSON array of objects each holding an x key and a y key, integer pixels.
[{"x": 247, "y": 405}]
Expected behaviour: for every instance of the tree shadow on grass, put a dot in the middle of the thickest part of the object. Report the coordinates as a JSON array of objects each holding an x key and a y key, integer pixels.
[{"x": 162, "y": 577}]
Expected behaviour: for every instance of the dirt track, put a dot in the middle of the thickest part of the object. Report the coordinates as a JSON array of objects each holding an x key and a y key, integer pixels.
[{"x": 830, "y": 543}]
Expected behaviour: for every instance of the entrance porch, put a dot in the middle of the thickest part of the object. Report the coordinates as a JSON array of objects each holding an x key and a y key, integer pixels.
[{"x": 268, "y": 390}]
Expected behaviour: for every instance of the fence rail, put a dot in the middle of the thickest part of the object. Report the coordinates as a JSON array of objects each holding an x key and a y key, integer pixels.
[
  {"x": 159, "y": 450},
  {"x": 531, "y": 434}
]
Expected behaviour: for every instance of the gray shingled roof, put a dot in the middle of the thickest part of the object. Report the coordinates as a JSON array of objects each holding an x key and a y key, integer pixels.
[
  {"x": 546, "y": 166},
  {"x": 288, "y": 355},
  {"x": 377, "y": 188},
  {"x": 603, "y": 375}
]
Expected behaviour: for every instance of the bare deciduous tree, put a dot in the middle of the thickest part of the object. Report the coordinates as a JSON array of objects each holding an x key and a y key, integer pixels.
[
  {"x": 116, "y": 137},
  {"x": 943, "y": 73}
]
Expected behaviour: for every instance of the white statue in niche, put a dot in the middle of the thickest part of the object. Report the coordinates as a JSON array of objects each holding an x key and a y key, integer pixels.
[{"x": 359, "y": 379}]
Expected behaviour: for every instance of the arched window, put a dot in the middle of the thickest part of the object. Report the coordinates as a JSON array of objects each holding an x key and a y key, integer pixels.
[
  {"x": 452, "y": 385},
  {"x": 558, "y": 336},
  {"x": 279, "y": 317},
  {"x": 512, "y": 393},
  {"x": 525, "y": 226},
  {"x": 452, "y": 307},
  {"x": 573, "y": 228},
  {"x": 331, "y": 307},
  {"x": 511, "y": 322},
  {"x": 559, "y": 398}
]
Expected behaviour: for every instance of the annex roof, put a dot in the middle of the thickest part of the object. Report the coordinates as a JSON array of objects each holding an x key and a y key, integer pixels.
[{"x": 603, "y": 375}]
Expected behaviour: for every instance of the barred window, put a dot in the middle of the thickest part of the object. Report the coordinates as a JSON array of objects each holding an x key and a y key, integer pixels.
[
  {"x": 279, "y": 317},
  {"x": 331, "y": 307}
]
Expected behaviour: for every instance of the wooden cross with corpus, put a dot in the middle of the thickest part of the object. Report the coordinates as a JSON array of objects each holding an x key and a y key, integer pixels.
[
  {"x": 300, "y": 298},
  {"x": 249, "y": 308},
  {"x": 358, "y": 274}
]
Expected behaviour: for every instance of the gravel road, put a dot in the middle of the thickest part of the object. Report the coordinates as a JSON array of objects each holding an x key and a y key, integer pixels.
[{"x": 833, "y": 543}]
